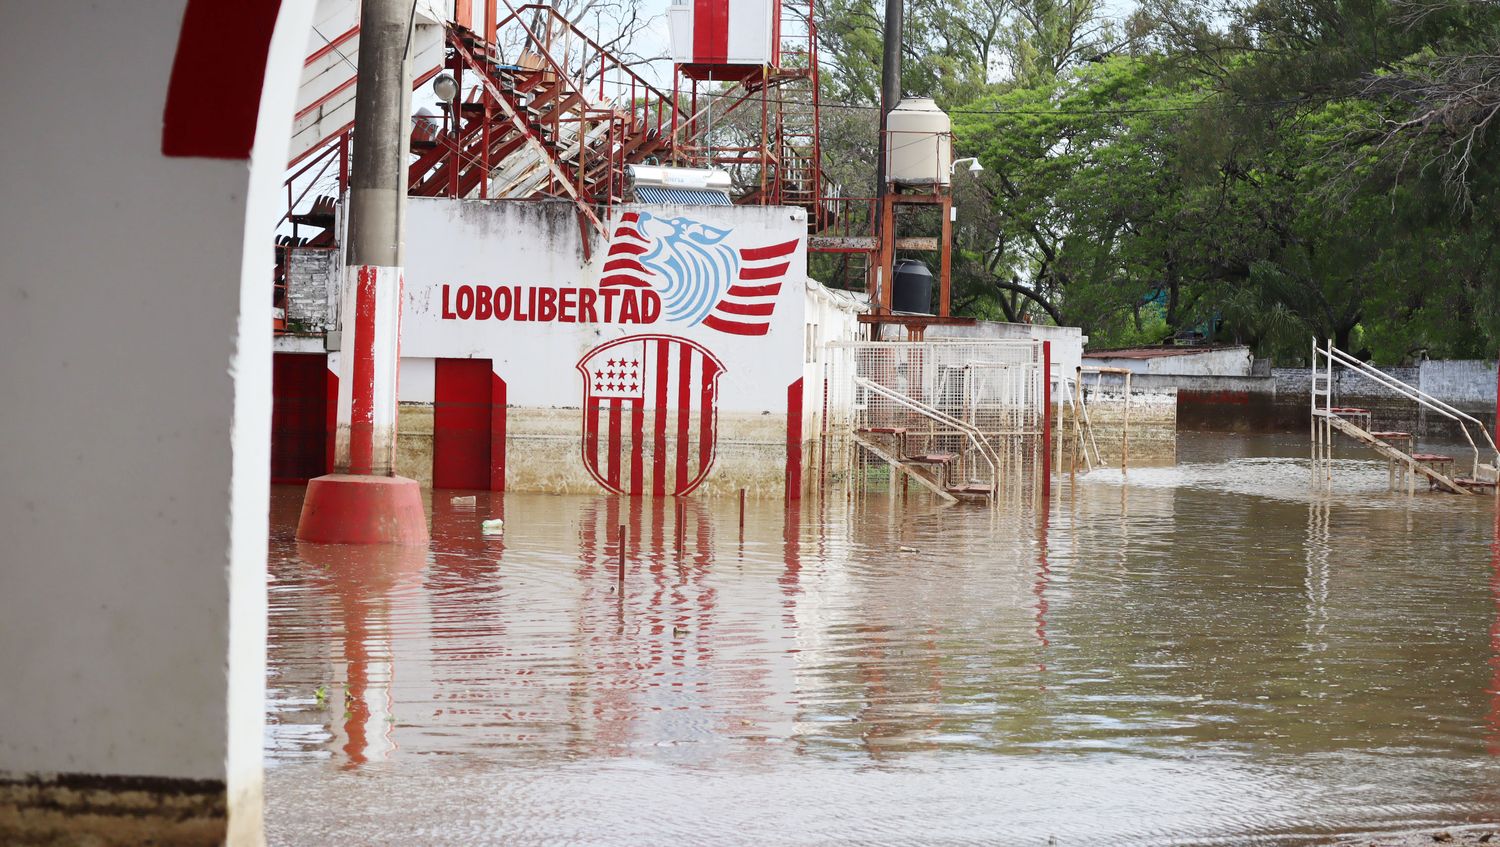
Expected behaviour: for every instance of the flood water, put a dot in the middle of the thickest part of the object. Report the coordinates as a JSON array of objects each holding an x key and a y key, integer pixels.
[{"x": 1208, "y": 653}]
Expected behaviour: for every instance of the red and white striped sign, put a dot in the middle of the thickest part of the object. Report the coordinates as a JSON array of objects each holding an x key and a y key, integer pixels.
[
  {"x": 650, "y": 414},
  {"x": 724, "y": 32}
]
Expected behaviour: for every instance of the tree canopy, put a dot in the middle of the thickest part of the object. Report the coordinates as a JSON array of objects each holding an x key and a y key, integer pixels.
[{"x": 1262, "y": 173}]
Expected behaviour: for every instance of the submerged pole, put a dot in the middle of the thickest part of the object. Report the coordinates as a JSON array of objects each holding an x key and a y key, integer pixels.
[
  {"x": 363, "y": 501},
  {"x": 1046, "y": 418},
  {"x": 1078, "y": 418}
]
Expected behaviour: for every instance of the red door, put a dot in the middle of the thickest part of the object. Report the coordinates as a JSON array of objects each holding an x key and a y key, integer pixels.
[
  {"x": 461, "y": 417},
  {"x": 299, "y": 416}
]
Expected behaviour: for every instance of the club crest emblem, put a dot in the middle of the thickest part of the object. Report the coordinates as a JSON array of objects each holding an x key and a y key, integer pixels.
[{"x": 650, "y": 414}]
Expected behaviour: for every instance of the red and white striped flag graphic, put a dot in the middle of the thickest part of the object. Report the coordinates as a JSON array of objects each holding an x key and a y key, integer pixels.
[
  {"x": 622, "y": 264},
  {"x": 746, "y": 307},
  {"x": 650, "y": 414}
]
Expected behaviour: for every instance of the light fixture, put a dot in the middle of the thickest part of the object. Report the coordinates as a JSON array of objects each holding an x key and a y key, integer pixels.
[
  {"x": 445, "y": 87},
  {"x": 974, "y": 166}
]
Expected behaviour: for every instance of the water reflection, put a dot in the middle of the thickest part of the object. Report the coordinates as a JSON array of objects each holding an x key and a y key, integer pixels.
[
  {"x": 1215, "y": 626},
  {"x": 1492, "y": 719}
]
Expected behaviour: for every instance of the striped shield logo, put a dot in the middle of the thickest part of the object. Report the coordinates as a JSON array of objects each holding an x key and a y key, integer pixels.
[
  {"x": 700, "y": 277},
  {"x": 650, "y": 414}
]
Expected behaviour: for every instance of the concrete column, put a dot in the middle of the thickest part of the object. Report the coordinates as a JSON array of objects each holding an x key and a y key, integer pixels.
[
  {"x": 370, "y": 313},
  {"x": 371, "y": 306},
  {"x": 364, "y": 502}
]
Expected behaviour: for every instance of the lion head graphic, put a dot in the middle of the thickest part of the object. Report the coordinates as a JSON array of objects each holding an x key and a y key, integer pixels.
[{"x": 692, "y": 265}]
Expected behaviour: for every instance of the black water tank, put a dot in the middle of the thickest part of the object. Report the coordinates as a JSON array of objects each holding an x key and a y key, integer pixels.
[{"x": 912, "y": 291}]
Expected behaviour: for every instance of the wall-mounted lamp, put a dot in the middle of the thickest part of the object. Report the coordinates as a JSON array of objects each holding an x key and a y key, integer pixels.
[{"x": 974, "y": 166}]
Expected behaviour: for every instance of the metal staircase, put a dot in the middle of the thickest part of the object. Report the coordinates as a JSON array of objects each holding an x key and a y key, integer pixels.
[
  {"x": 963, "y": 419},
  {"x": 1406, "y": 463},
  {"x": 542, "y": 122},
  {"x": 947, "y": 456}
]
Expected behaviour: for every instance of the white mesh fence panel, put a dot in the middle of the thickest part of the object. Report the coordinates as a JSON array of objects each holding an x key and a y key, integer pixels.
[{"x": 966, "y": 415}]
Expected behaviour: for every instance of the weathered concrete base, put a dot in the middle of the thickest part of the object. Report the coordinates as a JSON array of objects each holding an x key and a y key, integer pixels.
[
  {"x": 544, "y": 451},
  {"x": 105, "y": 811},
  {"x": 414, "y": 442},
  {"x": 350, "y": 509}
]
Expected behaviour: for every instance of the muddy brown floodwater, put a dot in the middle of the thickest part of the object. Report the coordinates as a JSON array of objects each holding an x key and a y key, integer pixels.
[{"x": 1198, "y": 654}]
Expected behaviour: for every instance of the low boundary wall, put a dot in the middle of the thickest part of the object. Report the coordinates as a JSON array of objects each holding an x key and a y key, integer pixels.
[{"x": 1280, "y": 401}]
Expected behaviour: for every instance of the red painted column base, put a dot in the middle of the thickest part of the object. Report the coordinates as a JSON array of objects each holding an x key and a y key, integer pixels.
[{"x": 349, "y": 509}]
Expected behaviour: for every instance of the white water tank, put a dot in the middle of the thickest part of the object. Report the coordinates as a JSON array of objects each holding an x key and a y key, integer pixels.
[{"x": 919, "y": 143}]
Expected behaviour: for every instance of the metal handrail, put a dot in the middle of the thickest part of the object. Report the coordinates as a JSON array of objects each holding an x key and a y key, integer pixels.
[
  {"x": 1411, "y": 393},
  {"x": 981, "y": 444}
]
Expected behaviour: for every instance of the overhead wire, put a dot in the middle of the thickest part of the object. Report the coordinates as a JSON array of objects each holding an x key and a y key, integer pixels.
[{"x": 1200, "y": 106}]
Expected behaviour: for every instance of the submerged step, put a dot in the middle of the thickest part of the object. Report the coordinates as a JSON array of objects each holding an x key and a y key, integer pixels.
[{"x": 932, "y": 458}]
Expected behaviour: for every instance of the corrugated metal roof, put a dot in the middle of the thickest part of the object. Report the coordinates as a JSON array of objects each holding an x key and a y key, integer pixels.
[{"x": 680, "y": 196}]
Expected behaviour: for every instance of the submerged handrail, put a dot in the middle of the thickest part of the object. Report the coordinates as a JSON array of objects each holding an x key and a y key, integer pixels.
[
  {"x": 1410, "y": 392},
  {"x": 981, "y": 444}
]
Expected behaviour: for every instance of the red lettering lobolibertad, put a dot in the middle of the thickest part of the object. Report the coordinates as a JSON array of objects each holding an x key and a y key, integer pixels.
[{"x": 545, "y": 304}]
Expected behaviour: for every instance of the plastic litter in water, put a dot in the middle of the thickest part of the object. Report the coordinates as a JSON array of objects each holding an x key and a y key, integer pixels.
[{"x": 492, "y": 526}]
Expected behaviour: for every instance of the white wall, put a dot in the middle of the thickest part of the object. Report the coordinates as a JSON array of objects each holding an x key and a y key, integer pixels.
[
  {"x": 1217, "y": 361},
  {"x": 133, "y": 482},
  {"x": 832, "y": 317},
  {"x": 1460, "y": 381},
  {"x": 510, "y": 243},
  {"x": 418, "y": 379}
]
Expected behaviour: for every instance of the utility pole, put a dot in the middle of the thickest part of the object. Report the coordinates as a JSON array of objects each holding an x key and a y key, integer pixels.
[
  {"x": 878, "y": 286},
  {"x": 890, "y": 83},
  {"x": 363, "y": 501}
]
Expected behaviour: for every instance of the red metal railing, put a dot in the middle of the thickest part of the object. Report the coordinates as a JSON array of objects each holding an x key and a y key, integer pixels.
[
  {"x": 335, "y": 150},
  {"x": 848, "y": 217},
  {"x": 645, "y": 107}
]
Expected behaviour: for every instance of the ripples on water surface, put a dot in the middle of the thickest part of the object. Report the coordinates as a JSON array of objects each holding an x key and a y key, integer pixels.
[{"x": 1196, "y": 654}]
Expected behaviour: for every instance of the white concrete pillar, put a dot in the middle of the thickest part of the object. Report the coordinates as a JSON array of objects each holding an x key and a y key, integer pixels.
[
  {"x": 135, "y": 358},
  {"x": 371, "y": 321}
]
